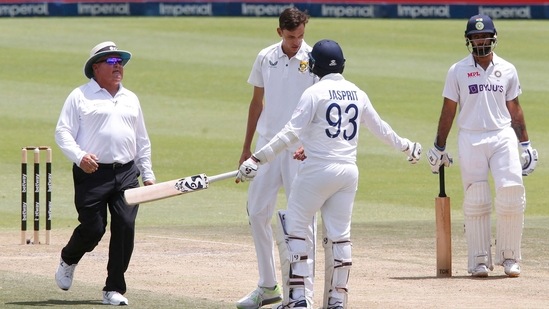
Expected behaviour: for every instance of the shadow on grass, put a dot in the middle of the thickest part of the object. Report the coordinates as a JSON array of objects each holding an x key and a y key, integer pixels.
[{"x": 55, "y": 302}]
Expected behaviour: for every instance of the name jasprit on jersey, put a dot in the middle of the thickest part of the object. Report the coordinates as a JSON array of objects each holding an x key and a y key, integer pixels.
[{"x": 343, "y": 95}]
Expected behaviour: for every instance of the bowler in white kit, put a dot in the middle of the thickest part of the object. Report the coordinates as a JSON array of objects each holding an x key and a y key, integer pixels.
[{"x": 279, "y": 76}]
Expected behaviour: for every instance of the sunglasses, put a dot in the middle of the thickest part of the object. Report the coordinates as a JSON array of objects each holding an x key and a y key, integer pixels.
[{"x": 112, "y": 61}]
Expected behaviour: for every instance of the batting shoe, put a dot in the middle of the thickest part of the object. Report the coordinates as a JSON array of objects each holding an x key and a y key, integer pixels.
[
  {"x": 259, "y": 298},
  {"x": 114, "y": 298},
  {"x": 511, "y": 268},
  {"x": 64, "y": 275},
  {"x": 480, "y": 271},
  {"x": 300, "y": 303},
  {"x": 335, "y": 303}
]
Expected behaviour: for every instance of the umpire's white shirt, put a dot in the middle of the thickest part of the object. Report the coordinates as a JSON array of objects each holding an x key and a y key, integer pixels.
[
  {"x": 112, "y": 128},
  {"x": 283, "y": 81},
  {"x": 482, "y": 95}
]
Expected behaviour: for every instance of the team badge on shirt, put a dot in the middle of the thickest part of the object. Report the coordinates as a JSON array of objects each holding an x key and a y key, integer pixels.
[{"x": 303, "y": 66}]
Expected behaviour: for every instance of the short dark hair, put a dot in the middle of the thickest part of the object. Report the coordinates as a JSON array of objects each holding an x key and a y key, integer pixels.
[{"x": 291, "y": 18}]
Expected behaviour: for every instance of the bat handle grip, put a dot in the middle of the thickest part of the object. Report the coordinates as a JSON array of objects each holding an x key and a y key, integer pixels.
[
  {"x": 215, "y": 178},
  {"x": 442, "y": 192}
]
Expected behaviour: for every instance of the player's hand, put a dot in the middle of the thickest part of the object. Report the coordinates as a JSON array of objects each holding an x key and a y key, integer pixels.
[
  {"x": 247, "y": 171},
  {"x": 413, "y": 152},
  {"x": 299, "y": 154},
  {"x": 438, "y": 157},
  {"x": 528, "y": 157}
]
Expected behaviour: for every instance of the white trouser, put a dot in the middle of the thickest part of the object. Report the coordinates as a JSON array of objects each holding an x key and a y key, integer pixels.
[
  {"x": 262, "y": 200},
  {"x": 328, "y": 187},
  {"x": 493, "y": 151},
  {"x": 497, "y": 152}
]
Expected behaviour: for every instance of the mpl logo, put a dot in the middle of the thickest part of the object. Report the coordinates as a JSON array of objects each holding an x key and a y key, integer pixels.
[{"x": 473, "y": 74}]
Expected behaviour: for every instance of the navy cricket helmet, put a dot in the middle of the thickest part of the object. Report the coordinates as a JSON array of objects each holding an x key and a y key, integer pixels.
[
  {"x": 480, "y": 24},
  {"x": 325, "y": 58}
]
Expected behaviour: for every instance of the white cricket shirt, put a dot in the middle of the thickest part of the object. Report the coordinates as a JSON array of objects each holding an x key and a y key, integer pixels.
[
  {"x": 283, "y": 80},
  {"x": 112, "y": 128},
  {"x": 328, "y": 118},
  {"x": 482, "y": 95}
]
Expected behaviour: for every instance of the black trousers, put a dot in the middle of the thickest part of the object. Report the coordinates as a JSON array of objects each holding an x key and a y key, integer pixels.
[{"x": 93, "y": 195}]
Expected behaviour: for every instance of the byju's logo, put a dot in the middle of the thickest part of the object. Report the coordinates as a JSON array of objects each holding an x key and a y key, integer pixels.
[
  {"x": 476, "y": 88},
  {"x": 473, "y": 89}
]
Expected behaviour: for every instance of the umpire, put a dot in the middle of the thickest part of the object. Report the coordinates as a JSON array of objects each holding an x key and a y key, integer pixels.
[{"x": 101, "y": 129}]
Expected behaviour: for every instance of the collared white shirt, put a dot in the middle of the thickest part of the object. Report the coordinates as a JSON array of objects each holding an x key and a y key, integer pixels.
[
  {"x": 328, "y": 118},
  {"x": 112, "y": 128},
  {"x": 283, "y": 80},
  {"x": 482, "y": 95}
]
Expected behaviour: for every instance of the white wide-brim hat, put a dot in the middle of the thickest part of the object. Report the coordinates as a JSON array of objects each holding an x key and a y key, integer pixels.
[{"x": 101, "y": 50}]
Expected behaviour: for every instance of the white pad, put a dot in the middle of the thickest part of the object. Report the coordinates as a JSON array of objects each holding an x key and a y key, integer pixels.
[
  {"x": 338, "y": 262},
  {"x": 280, "y": 237},
  {"x": 295, "y": 263},
  {"x": 342, "y": 266},
  {"x": 510, "y": 205},
  {"x": 477, "y": 207},
  {"x": 328, "y": 265},
  {"x": 309, "y": 282}
]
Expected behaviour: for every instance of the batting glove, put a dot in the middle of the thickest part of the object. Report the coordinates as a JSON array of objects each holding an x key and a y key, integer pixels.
[
  {"x": 529, "y": 158},
  {"x": 247, "y": 170},
  {"x": 437, "y": 157},
  {"x": 413, "y": 151}
]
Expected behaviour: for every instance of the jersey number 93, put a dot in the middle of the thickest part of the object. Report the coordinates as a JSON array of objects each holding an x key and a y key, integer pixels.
[{"x": 335, "y": 119}]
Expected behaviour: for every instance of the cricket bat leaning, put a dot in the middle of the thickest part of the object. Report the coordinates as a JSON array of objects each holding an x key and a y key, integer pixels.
[
  {"x": 172, "y": 188},
  {"x": 444, "y": 230}
]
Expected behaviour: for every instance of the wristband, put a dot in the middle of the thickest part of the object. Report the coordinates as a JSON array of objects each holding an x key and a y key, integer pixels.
[{"x": 438, "y": 147}]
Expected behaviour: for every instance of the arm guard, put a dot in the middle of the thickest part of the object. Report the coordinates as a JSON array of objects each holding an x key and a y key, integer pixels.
[{"x": 280, "y": 142}]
